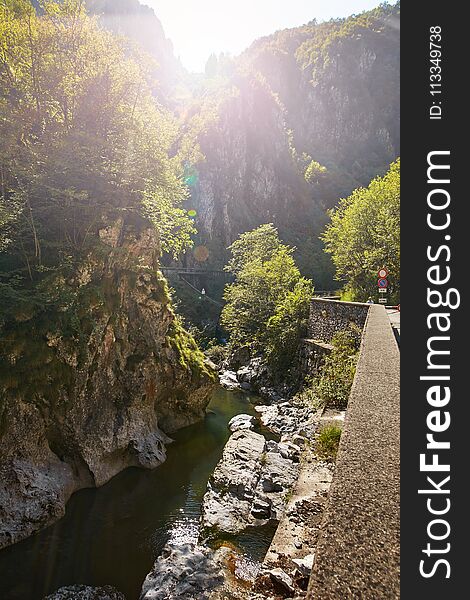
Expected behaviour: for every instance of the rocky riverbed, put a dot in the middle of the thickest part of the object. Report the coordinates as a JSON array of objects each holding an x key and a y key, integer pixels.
[
  {"x": 251, "y": 486},
  {"x": 254, "y": 485}
]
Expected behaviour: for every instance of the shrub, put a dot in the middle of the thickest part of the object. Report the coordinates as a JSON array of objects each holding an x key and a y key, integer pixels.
[
  {"x": 217, "y": 354},
  {"x": 328, "y": 442},
  {"x": 337, "y": 372}
]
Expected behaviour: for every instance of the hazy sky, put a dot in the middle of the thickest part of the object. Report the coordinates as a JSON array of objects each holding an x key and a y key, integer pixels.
[{"x": 199, "y": 27}]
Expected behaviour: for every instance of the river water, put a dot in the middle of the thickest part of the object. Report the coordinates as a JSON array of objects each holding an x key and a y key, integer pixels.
[{"x": 111, "y": 535}]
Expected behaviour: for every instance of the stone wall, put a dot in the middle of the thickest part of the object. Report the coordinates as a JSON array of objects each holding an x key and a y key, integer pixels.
[
  {"x": 327, "y": 317},
  {"x": 312, "y": 354}
]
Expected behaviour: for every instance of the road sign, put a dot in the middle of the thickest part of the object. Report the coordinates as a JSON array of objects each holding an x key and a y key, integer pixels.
[
  {"x": 382, "y": 282},
  {"x": 382, "y": 290},
  {"x": 383, "y": 272},
  {"x": 382, "y": 300}
]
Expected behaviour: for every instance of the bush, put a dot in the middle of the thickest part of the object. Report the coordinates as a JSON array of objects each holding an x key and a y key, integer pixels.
[
  {"x": 328, "y": 442},
  {"x": 217, "y": 354},
  {"x": 337, "y": 372},
  {"x": 288, "y": 326}
]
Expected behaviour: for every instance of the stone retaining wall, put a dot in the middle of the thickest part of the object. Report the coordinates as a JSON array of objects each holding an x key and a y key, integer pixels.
[{"x": 327, "y": 317}]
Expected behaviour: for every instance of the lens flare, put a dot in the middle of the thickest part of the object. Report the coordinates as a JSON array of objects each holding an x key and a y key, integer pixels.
[{"x": 201, "y": 253}]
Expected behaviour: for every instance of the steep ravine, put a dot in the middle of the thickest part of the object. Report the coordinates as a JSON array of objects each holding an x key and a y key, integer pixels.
[
  {"x": 95, "y": 385},
  {"x": 111, "y": 535}
]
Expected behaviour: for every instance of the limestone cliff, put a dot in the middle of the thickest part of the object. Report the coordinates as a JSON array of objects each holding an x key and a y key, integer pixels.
[
  {"x": 299, "y": 120},
  {"x": 94, "y": 384}
]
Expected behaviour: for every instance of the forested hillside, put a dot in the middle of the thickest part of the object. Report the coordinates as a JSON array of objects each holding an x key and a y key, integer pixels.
[{"x": 296, "y": 122}]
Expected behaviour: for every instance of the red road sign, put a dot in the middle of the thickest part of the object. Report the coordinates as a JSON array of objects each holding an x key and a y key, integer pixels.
[
  {"x": 383, "y": 272},
  {"x": 382, "y": 282}
]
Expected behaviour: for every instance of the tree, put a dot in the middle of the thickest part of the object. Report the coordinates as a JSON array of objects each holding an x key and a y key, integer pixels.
[
  {"x": 267, "y": 305},
  {"x": 364, "y": 235},
  {"x": 82, "y": 141}
]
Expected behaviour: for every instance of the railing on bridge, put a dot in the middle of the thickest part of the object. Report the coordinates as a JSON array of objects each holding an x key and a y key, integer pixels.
[{"x": 193, "y": 271}]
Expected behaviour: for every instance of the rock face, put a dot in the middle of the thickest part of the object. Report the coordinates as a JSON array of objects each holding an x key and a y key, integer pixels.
[
  {"x": 85, "y": 592},
  {"x": 186, "y": 572},
  {"x": 249, "y": 485},
  {"x": 324, "y": 92},
  {"x": 90, "y": 389}
]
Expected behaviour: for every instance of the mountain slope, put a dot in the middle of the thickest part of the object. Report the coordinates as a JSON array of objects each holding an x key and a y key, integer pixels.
[{"x": 297, "y": 121}]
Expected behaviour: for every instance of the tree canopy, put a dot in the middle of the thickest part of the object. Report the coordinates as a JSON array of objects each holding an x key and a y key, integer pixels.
[
  {"x": 267, "y": 305},
  {"x": 364, "y": 235},
  {"x": 82, "y": 139}
]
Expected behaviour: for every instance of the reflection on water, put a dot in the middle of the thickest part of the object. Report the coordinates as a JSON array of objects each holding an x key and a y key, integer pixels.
[{"x": 112, "y": 535}]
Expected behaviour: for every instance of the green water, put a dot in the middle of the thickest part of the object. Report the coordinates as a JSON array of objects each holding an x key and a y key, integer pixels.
[{"x": 111, "y": 535}]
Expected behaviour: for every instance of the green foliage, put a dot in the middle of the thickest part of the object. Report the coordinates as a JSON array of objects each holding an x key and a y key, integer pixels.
[
  {"x": 267, "y": 305},
  {"x": 315, "y": 172},
  {"x": 82, "y": 140},
  {"x": 189, "y": 355},
  {"x": 216, "y": 353},
  {"x": 337, "y": 372},
  {"x": 364, "y": 235},
  {"x": 328, "y": 442},
  {"x": 288, "y": 325}
]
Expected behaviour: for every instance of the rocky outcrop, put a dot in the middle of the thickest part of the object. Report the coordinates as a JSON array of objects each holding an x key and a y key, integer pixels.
[
  {"x": 186, "y": 572},
  {"x": 96, "y": 384},
  {"x": 249, "y": 485},
  {"x": 86, "y": 592},
  {"x": 288, "y": 418},
  {"x": 325, "y": 94}
]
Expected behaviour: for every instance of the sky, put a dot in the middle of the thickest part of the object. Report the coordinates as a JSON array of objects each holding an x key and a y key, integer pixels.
[{"x": 198, "y": 28}]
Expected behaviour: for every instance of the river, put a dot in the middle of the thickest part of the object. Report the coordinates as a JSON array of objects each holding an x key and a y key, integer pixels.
[{"x": 112, "y": 535}]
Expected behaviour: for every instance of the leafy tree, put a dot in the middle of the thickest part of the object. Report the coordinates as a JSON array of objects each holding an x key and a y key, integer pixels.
[
  {"x": 82, "y": 141},
  {"x": 288, "y": 325},
  {"x": 267, "y": 305},
  {"x": 364, "y": 235}
]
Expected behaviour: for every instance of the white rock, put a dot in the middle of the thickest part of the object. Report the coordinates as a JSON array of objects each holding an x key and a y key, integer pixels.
[
  {"x": 241, "y": 422},
  {"x": 305, "y": 564},
  {"x": 282, "y": 578},
  {"x": 228, "y": 380}
]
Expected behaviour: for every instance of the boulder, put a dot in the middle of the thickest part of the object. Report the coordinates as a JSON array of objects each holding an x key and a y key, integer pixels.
[
  {"x": 249, "y": 484},
  {"x": 85, "y": 592},
  {"x": 241, "y": 422},
  {"x": 282, "y": 580},
  {"x": 184, "y": 571}
]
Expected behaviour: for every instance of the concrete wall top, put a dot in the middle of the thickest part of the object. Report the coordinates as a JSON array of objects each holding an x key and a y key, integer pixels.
[{"x": 358, "y": 552}]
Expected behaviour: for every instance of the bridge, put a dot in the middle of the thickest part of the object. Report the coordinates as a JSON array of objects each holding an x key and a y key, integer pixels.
[
  {"x": 194, "y": 271},
  {"x": 200, "y": 272}
]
